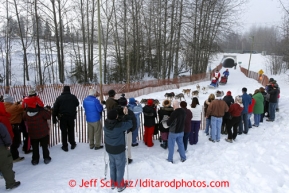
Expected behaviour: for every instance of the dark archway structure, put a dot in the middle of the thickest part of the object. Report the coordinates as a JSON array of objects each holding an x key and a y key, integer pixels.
[{"x": 229, "y": 61}]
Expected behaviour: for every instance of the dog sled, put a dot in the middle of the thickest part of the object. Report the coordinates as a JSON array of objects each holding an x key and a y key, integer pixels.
[
  {"x": 223, "y": 80},
  {"x": 214, "y": 83}
]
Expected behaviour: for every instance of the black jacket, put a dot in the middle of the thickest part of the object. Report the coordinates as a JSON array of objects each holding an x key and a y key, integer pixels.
[
  {"x": 65, "y": 105},
  {"x": 177, "y": 121},
  {"x": 229, "y": 100},
  {"x": 273, "y": 91},
  {"x": 150, "y": 115}
]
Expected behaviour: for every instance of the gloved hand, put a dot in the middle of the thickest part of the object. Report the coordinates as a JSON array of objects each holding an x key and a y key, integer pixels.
[{"x": 103, "y": 102}]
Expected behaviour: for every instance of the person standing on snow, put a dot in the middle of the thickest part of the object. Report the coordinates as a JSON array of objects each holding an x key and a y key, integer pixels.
[
  {"x": 114, "y": 140},
  {"x": 93, "y": 111},
  {"x": 65, "y": 109},
  {"x": 246, "y": 100},
  {"x": 150, "y": 115},
  {"x": 136, "y": 108},
  {"x": 6, "y": 161},
  {"x": 176, "y": 124},
  {"x": 216, "y": 110}
]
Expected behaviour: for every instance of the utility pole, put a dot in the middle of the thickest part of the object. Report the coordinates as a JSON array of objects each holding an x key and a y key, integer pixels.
[
  {"x": 99, "y": 50},
  {"x": 250, "y": 55}
]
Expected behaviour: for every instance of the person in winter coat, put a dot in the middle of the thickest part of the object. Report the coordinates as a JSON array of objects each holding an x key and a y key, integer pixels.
[
  {"x": 111, "y": 102},
  {"x": 150, "y": 115},
  {"x": 167, "y": 110},
  {"x": 196, "y": 110},
  {"x": 38, "y": 131},
  {"x": 136, "y": 108},
  {"x": 258, "y": 107},
  {"x": 122, "y": 101},
  {"x": 4, "y": 119},
  {"x": 208, "y": 119},
  {"x": 235, "y": 111},
  {"x": 65, "y": 109},
  {"x": 246, "y": 100},
  {"x": 114, "y": 140},
  {"x": 274, "y": 92},
  {"x": 229, "y": 100},
  {"x": 188, "y": 122},
  {"x": 6, "y": 161},
  {"x": 217, "y": 75},
  {"x": 32, "y": 102},
  {"x": 226, "y": 73},
  {"x": 93, "y": 112},
  {"x": 265, "y": 104},
  {"x": 16, "y": 112},
  {"x": 250, "y": 110},
  {"x": 176, "y": 124},
  {"x": 216, "y": 110}
]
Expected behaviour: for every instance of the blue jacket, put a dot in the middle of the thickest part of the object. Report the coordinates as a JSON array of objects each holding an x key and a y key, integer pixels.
[
  {"x": 93, "y": 109},
  {"x": 226, "y": 73},
  {"x": 246, "y": 100},
  {"x": 114, "y": 134},
  {"x": 137, "y": 110}
]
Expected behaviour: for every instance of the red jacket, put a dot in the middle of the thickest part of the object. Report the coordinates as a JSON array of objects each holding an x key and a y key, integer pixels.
[
  {"x": 4, "y": 118},
  {"x": 251, "y": 106},
  {"x": 235, "y": 110},
  {"x": 32, "y": 102},
  {"x": 37, "y": 124}
]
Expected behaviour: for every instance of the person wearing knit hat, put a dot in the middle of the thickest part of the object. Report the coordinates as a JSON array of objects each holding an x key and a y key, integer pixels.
[
  {"x": 196, "y": 110},
  {"x": 16, "y": 112},
  {"x": 65, "y": 108},
  {"x": 114, "y": 140},
  {"x": 136, "y": 108},
  {"x": 32, "y": 102},
  {"x": 93, "y": 113},
  {"x": 216, "y": 110},
  {"x": 111, "y": 102},
  {"x": 235, "y": 111},
  {"x": 150, "y": 102},
  {"x": 150, "y": 116},
  {"x": 187, "y": 124},
  {"x": 246, "y": 100},
  {"x": 165, "y": 110},
  {"x": 229, "y": 100},
  {"x": 122, "y": 101}
]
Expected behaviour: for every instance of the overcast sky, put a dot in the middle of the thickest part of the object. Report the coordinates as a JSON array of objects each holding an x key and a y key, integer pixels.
[{"x": 262, "y": 13}]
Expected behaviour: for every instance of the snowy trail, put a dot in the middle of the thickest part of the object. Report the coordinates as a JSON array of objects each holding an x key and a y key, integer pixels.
[{"x": 257, "y": 162}]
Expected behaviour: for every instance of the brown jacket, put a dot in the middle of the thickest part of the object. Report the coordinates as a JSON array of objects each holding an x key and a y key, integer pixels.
[
  {"x": 217, "y": 108},
  {"x": 111, "y": 103},
  {"x": 16, "y": 112}
]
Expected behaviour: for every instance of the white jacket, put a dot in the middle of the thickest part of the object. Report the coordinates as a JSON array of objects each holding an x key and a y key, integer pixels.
[{"x": 197, "y": 113}]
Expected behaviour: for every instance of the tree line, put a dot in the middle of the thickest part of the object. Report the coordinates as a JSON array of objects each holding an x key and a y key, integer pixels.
[{"x": 154, "y": 38}]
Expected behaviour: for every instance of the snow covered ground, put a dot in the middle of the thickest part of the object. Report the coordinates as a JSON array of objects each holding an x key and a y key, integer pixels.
[{"x": 257, "y": 162}]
